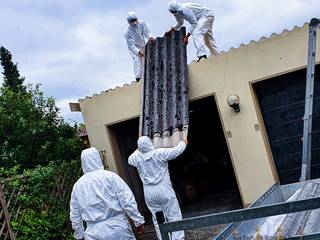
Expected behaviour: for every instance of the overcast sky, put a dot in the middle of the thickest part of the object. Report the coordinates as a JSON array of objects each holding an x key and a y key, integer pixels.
[{"x": 76, "y": 48}]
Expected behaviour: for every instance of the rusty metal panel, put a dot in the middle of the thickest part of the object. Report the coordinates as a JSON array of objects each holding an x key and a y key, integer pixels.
[{"x": 165, "y": 88}]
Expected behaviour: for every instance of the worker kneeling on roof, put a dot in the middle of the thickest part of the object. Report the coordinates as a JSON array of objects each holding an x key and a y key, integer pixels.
[
  {"x": 152, "y": 166},
  {"x": 201, "y": 21},
  {"x": 102, "y": 199},
  {"x": 136, "y": 35}
]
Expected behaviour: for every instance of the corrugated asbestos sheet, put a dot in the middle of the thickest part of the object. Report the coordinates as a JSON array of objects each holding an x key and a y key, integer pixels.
[{"x": 165, "y": 114}]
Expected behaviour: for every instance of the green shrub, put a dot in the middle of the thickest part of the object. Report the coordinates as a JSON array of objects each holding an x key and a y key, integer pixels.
[{"x": 44, "y": 213}]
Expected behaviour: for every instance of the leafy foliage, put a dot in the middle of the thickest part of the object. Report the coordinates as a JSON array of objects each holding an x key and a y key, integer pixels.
[
  {"x": 44, "y": 214},
  {"x": 35, "y": 141},
  {"x": 31, "y": 131},
  {"x": 12, "y": 79}
]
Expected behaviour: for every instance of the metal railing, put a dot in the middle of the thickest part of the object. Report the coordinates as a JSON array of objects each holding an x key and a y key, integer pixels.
[{"x": 239, "y": 215}]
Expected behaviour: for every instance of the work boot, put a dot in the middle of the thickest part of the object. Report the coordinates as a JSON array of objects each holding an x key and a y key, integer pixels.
[
  {"x": 138, "y": 79},
  {"x": 203, "y": 56}
]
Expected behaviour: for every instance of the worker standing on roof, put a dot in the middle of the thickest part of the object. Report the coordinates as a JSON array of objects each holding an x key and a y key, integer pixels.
[
  {"x": 136, "y": 35},
  {"x": 152, "y": 166},
  {"x": 201, "y": 21},
  {"x": 102, "y": 200}
]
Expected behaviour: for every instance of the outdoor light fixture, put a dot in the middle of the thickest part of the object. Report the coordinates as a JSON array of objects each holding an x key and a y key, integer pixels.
[{"x": 234, "y": 102}]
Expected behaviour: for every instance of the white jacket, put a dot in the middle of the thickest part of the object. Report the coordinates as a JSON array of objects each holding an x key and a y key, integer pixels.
[
  {"x": 152, "y": 166},
  {"x": 101, "y": 199},
  {"x": 151, "y": 163},
  {"x": 191, "y": 12},
  {"x": 136, "y": 37}
]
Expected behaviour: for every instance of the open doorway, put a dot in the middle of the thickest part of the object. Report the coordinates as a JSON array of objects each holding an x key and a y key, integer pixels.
[
  {"x": 203, "y": 176},
  {"x": 126, "y": 136}
]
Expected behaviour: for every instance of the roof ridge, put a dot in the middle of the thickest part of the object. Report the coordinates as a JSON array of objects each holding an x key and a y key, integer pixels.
[
  {"x": 231, "y": 49},
  {"x": 251, "y": 42},
  {"x": 125, "y": 85}
]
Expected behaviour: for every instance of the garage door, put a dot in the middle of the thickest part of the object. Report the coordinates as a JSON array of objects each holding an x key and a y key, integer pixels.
[{"x": 282, "y": 105}]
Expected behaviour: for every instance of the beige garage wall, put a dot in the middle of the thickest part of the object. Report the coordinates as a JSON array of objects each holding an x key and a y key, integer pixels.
[{"x": 229, "y": 73}]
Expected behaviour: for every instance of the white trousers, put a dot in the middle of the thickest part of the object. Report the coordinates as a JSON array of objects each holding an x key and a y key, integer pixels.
[
  {"x": 202, "y": 36},
  {"x": 117, "y": 228},
  {"x": 161, "y": 197},
  {"x": 137, "y": 66}
]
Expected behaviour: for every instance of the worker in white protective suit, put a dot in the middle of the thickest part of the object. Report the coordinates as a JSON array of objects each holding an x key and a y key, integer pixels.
[
  {"x": 201, "y": 21},
  {"x": 136, "y": 36},
  {"x": 102, "y": 200},
  {"x": 152, "y": 166}
]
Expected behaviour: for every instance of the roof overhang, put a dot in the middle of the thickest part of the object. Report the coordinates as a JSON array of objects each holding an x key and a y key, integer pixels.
[{"x": 75, "y": 107}]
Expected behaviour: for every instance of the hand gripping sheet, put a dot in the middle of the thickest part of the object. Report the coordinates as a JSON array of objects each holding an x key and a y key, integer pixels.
[{"x": 164, "y": 111}]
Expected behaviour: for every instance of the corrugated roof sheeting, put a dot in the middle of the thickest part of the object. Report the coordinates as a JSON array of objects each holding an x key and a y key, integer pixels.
[
  {"x": 165, "y": 114},
  {"x": 241, "y": 46}
]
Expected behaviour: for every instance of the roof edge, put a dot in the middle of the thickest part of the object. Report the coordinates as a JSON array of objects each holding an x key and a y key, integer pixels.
[{"x": 222, "y": 53}]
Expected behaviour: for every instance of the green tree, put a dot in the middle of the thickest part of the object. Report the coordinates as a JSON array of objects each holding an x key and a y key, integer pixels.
[
  {"x": 12, "y": 78},
  {"x": 36, "y": 142},
  {"x": 31, "y": 131}
]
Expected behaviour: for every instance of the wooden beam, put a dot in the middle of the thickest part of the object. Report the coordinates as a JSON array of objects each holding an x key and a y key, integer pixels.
[{"x": 6, "y": 213}]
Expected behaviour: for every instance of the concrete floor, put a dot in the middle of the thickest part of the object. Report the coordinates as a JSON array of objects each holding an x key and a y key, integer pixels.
[{"x": 207, "y": 205}]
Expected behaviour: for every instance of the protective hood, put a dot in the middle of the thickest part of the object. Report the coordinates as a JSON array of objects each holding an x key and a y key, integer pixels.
[
  {"x": 174, "y": 6},
  {"x": 145, "y": 145},
  {"x": 132, "y": 16},
  {"x": 91, "y": 160},
  {"x": 145, "y": 148}
]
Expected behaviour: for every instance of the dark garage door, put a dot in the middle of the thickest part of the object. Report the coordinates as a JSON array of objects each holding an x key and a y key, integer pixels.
[{"x": 282, "y": 105}]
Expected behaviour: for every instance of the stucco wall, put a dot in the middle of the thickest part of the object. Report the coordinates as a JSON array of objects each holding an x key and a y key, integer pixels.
[{"x": 229, "y": 73}]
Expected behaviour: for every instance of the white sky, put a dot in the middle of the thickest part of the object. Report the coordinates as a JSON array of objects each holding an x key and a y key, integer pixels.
[{"x": 76, "y": 48}]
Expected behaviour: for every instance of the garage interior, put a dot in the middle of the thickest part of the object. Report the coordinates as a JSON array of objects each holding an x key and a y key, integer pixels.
[
  {"x": 282, "y": 101},
  {"x": 203, "y": 176}
]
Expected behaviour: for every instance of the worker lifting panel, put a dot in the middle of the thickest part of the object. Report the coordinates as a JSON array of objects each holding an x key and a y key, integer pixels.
[{"x": 165, "y": 115}]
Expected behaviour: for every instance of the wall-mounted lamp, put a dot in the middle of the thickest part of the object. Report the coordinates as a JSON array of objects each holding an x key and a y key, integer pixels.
[{"x": 234, "y": 102}]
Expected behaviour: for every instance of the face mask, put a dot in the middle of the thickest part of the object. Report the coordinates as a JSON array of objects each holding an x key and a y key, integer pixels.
[{"x": 134, "y": 24}]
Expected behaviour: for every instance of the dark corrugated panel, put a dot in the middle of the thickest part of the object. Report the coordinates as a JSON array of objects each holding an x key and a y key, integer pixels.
[
  {"x": 281, "y": 102},
  {"x": 165, "y": 88}
]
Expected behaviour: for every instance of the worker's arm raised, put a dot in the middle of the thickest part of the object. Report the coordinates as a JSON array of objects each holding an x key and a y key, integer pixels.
[
  {"x": 75, "y": 217},
  {"x": 168, "y": 154}
]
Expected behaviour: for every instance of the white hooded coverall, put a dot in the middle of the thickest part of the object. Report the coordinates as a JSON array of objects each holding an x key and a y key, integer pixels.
[
  {"x": 102, "y": 199},
  {"x": 152, "y": 166},
  {"x": 201, "y": 21},
  {"x": 135, "y": 36}
]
